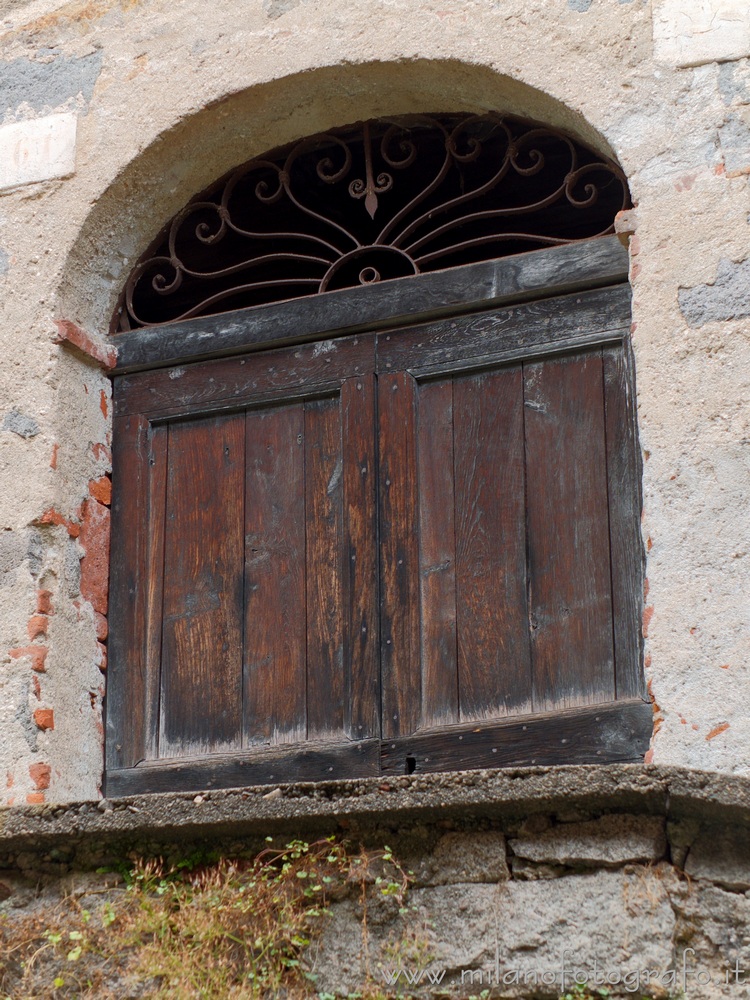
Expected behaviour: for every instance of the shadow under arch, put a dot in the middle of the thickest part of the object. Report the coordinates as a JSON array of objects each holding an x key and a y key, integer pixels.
[{"x": 157, "y": 182}]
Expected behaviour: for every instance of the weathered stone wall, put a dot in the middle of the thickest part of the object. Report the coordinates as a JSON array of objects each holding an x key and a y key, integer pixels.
[
  {"x": 116, "y": 111},
  {"x": 633, "y": 877}
]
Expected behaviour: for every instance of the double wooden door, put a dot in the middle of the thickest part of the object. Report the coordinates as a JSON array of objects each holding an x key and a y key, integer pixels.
[{"x": 381, "y": 553}]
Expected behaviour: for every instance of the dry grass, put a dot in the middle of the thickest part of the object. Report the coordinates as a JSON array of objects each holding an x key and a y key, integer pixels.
[{"x": 226, "y": 929}]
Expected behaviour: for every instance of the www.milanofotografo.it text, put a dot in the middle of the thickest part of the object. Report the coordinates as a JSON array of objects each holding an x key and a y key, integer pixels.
[{"x": 570, "y": 971}]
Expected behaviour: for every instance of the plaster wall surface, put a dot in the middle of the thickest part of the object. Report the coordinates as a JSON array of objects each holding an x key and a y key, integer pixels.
[{"x": 165, "y": 99}]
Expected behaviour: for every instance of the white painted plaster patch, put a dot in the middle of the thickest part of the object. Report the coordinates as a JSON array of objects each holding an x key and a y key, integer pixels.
[
  {"x": 693, "y": 32},
  {"x": 38, "y": 150}
]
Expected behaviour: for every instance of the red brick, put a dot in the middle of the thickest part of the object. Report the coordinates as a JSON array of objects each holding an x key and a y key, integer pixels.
[
  {"x": 44, "y": 718},
  {"x": 648, "y": 614},
  {"x": 95, "y": 564},
  {"x": 53, "y": 516},
  {"x": 44, "y": 602},
  {"x": 103, "y": 404},
  {"x": 102, "y": 626},
  {"x": 648, "y": 757},
  {"x": 37, "y": 626},
  {"x": 101, "y": 451},
  {"x": 37, "y": 655},
  {"x": 101, "y": 490},
  {"x": 40, "y": 775},
  {"x": 77, "y": 338},
  {"x": 35, "y": 798},
  {"x": 53, "y": 460},
  {"x": 37, "y": 688},
  {"x": 721, "y": 728},
  {"x": 103, "y": 654}
]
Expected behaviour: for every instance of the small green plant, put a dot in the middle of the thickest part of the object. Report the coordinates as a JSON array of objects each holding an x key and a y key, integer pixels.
[{"x": 196, "y": 928}]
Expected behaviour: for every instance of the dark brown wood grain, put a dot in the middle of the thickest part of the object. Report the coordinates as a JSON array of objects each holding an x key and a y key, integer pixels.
[
  {"x": 236, "y": 381},
  {"x": 154, "y": 582},
  {"x": 399, "y": 555},
  {"x": 481, "y": 340},
  {"x": 271, "y": 766},
  {"x": 437, "y": 553},
  {"x": 600, "y": 734},
  {"x": 494, "y": 667},
  {"x": 324, "y": 568},
  {"x": 623, "y": 477},
  {"x": 391, "y": 303},
  {"x": 362, "y": 662},
  {"x": 570, "y": 600},
  {"x": 128, "y": 682},
  {"x": 274, "y": 677},
  {"x": 320, "y": 554},
  {"x": 201, "y": 684}
]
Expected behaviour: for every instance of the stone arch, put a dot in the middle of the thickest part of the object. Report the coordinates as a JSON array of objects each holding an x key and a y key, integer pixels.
[{"x": 187, "y": 157}]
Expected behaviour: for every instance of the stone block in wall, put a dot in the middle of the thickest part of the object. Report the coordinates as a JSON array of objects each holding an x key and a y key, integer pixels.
[
  {"x": 38, "y": 150},
  {"x": 722, "y": 856},
  {"x": 700, "y": 31},
  {"x": 611, "y": 921},
  {"x": 609, "y": 841},
  {"x": 465, "y": 857}
]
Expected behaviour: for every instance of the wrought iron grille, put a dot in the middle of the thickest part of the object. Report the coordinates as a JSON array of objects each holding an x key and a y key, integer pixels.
[{"x": 373, "y": 201}]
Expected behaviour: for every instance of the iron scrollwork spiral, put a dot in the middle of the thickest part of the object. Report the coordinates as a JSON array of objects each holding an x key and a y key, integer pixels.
[{"x": 378, "y": 200}]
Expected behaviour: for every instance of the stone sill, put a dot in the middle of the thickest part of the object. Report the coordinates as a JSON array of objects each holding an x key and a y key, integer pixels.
[{"x": 675, "y": 793}]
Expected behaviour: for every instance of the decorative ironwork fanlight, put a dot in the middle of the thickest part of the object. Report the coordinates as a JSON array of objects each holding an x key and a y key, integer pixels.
[{"x": 373, "y": 201}]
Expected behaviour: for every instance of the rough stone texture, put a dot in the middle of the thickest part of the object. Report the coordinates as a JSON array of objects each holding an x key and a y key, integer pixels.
[
  {"x": 463, "y": 857},
  {"x": 609, "y": 841},
  {"x": 734, "y": 137},
  {"x": 513, "y": 928},
  {"x": 700, "y": 31},
  {"x": 728, "y": 297},
  {"x": 20, "y": 423},
  {"x": 722, "y": 857},
  {"x": 526, "y": 801},
  {"x": 47, "y": 83},
  {"x": 651, "y": 928}
]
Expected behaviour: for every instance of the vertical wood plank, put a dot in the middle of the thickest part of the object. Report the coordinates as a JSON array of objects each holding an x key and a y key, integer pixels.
[
  {"x": 324, "y": 568},
  {"x": 274, "y": 677},
  {"x": 201, "y": 706},
  {"x": 127, "y": 678},
  {"x": 399, "y": 556},
  {"x": 623, "y": 475},
  {"x": 437, "y": 554},
  {"x": 568, "y": 538},
  {"x": 154, "y": 583},
  {"x": 494, "y": 659},
  {"x": 362, "y": 698}
]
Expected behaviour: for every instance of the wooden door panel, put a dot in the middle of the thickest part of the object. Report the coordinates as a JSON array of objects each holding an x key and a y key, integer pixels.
[
  {"x": 399, "y": 556},
  {"x": 130, "y": 698},
  {"x": 437, "y": 553},
  {"x": 494, "y": 669},
  {"x": 570, "y": 604},
  {"x": 324, "y": 568},
  {"x": 360, "y": 556},
  {"x": 201, "y": 662},
  {"x": 514, "y": 333},
  {"x": 428, "y": 536},
  {"x": 623, "y": 479},
  {"x": 274, "y": 613},
  {"x": 248, "y": 378}
]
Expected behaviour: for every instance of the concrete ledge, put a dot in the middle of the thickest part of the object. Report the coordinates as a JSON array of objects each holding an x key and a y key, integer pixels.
[{"x": 217, "y": 816}]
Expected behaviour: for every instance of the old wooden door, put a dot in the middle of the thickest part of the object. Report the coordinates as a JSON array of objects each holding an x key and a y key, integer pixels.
[{"x": 408, "y": 548}]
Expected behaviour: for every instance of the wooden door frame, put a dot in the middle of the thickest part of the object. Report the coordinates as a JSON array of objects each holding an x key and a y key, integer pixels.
[{"x": 617, "y": 731}]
